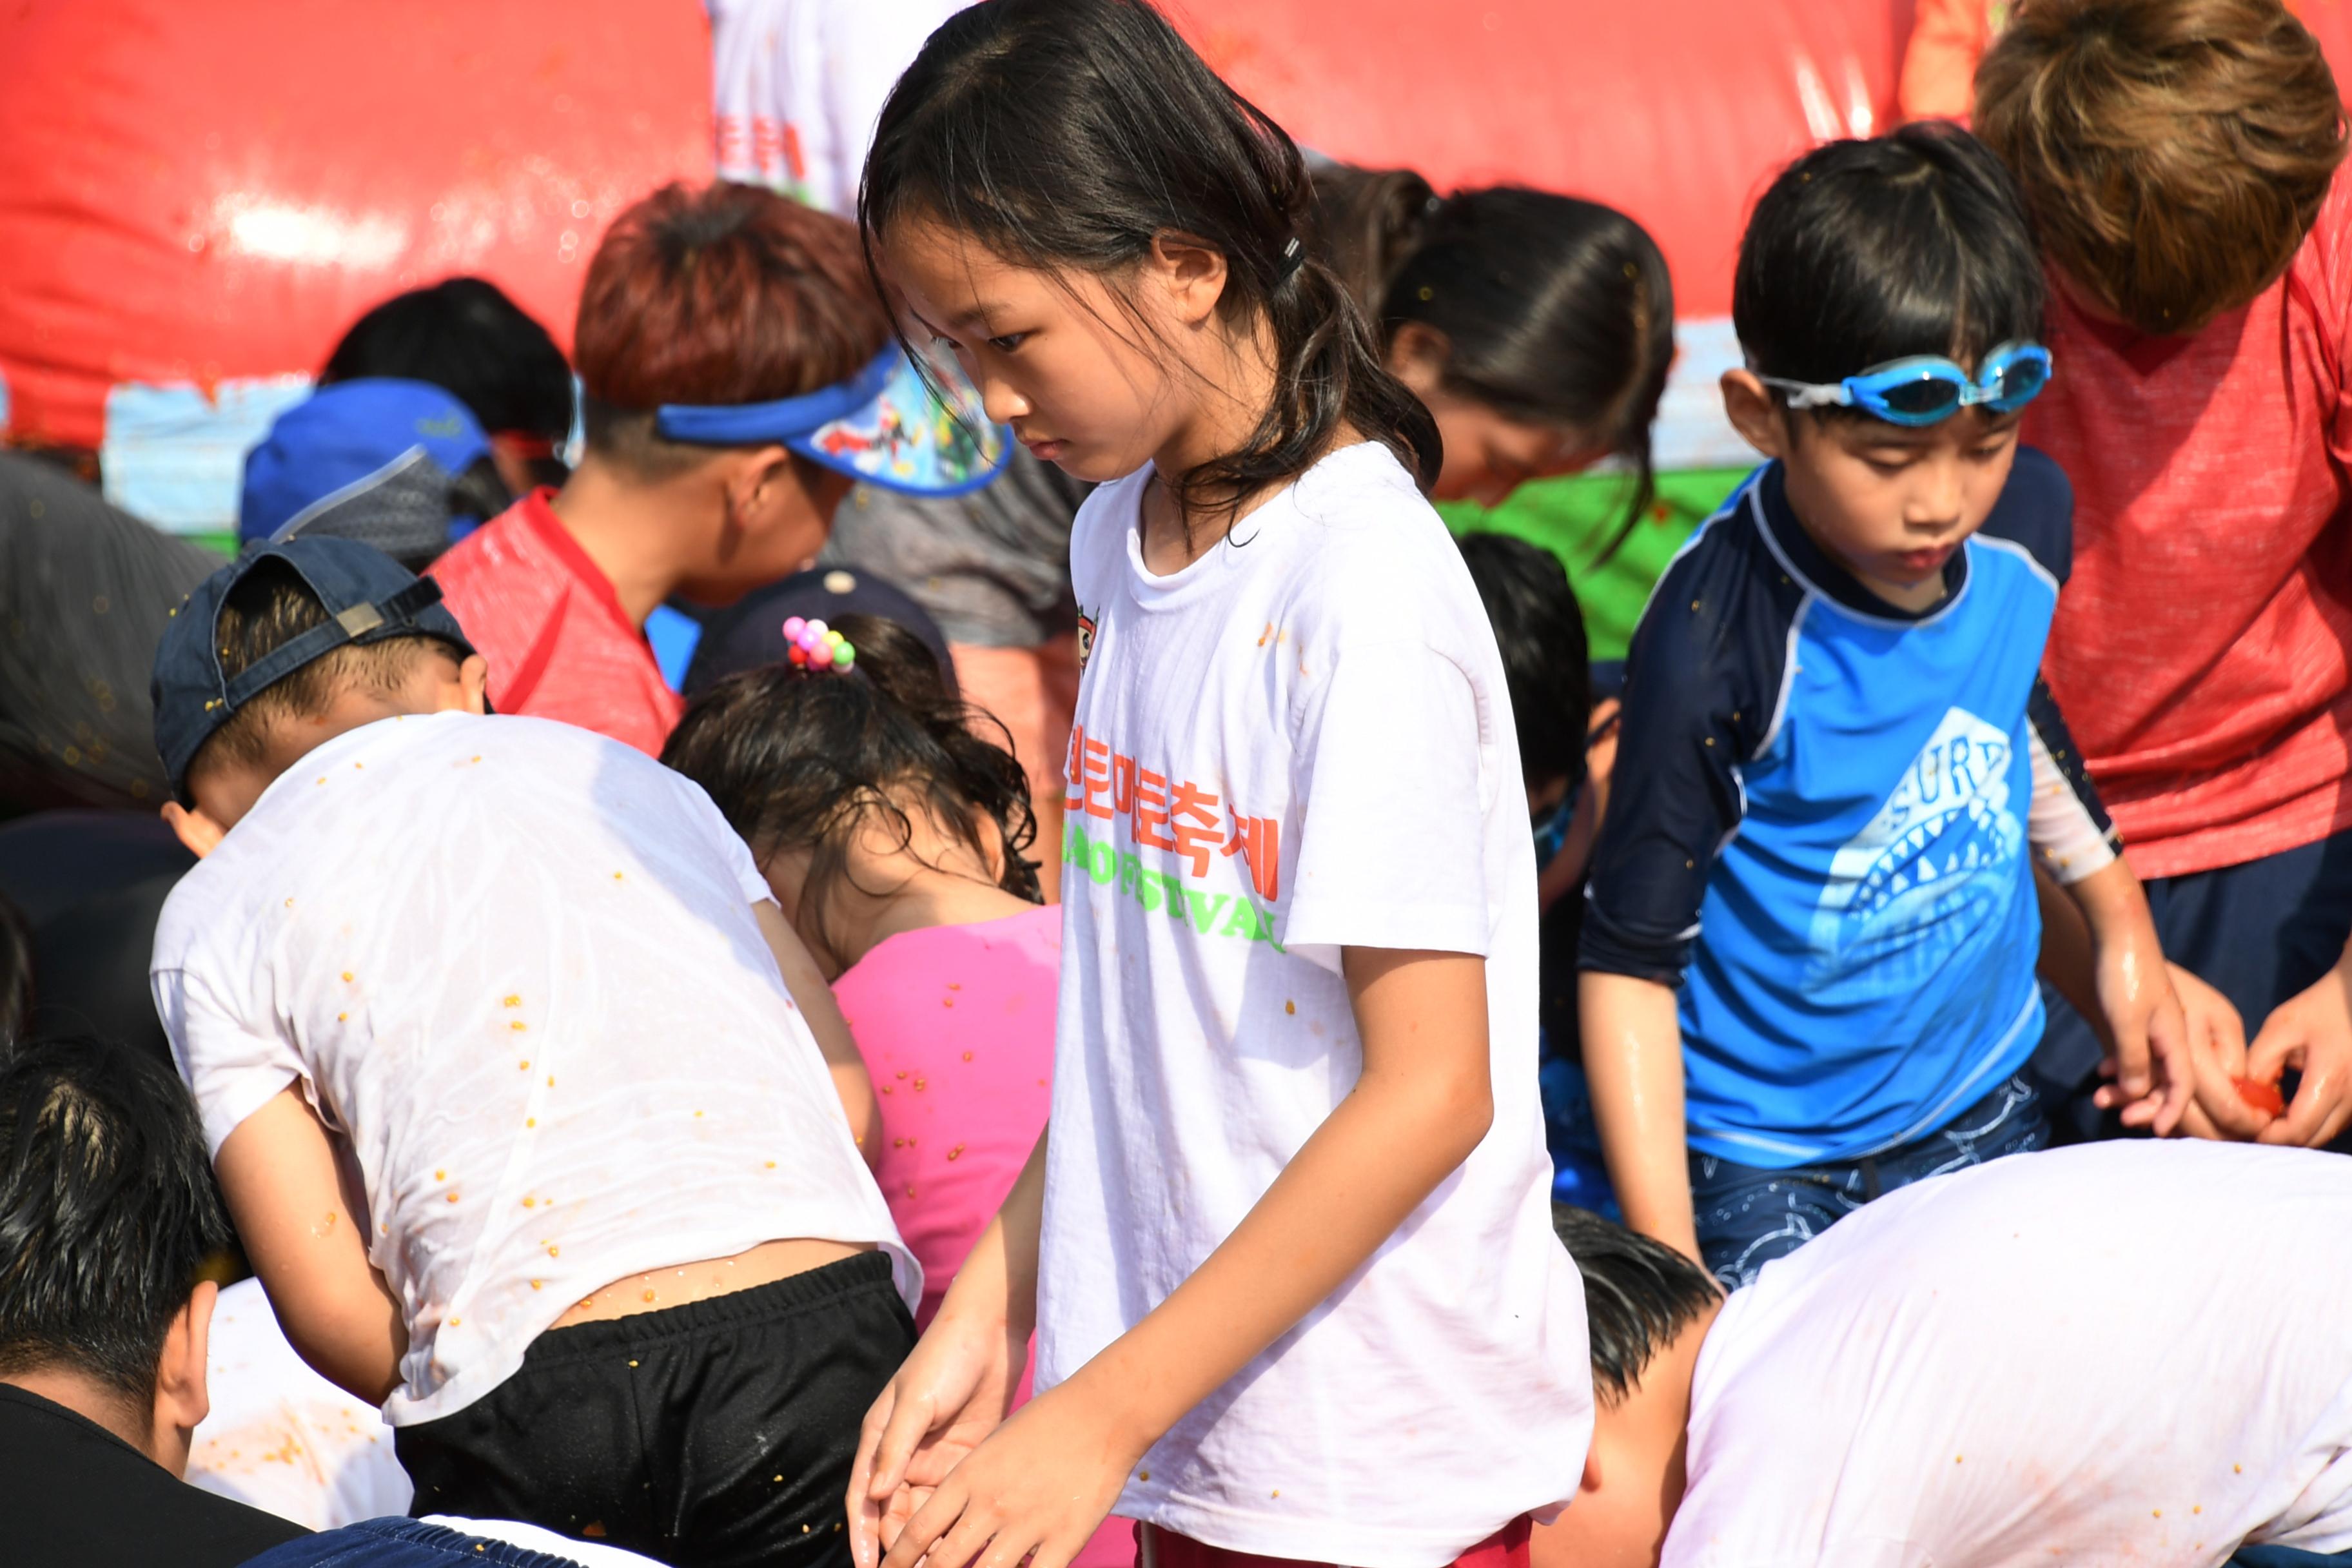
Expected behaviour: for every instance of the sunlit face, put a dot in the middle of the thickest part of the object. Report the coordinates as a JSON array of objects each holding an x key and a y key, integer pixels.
[
  {"x": 1488, "y": 453},
  {"x": 777, "y": 520},
  {"x": 1058, "y": 356},
  {"x": 1890, "y": 502}
]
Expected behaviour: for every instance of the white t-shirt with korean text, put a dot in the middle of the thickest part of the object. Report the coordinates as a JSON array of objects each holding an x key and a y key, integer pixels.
[
  {"x": 2133, "y": 1351},
  {"x": 514, "y": 964},
  {"x": 1302, "y": 743}
]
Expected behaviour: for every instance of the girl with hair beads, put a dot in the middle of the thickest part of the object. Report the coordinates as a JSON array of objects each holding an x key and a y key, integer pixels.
[
  {"x": 1286, "y": 1247},
  {"x": 892, "y": 834}
]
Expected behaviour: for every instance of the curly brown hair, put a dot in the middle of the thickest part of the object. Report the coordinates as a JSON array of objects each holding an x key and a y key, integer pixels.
[{"x": 2173, "y": 153}]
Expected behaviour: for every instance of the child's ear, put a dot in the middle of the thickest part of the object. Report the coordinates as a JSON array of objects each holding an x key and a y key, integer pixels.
[
  {"x": 473, "y": 692},
  {"x": 1191, "y": 270},
  {"x": 200, "y": 833},
  {"x": 1418, "y": 356},
  {"x": 1754, "y": 412},
  {"x": 182, "y": 1398}
]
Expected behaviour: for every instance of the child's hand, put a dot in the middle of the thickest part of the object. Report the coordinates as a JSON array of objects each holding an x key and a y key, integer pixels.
[
  {"x": 2312, "y": 1033},
  {"x": 2217, "y": 1048},
  {"x": 1033, "y": 1491},
  {"x": 2149, "y": 1058},
  {"x": 951, "y": 1393}
]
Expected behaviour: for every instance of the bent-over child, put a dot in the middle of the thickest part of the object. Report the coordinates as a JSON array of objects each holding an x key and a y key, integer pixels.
[
  {"x": 517, "y": 1120},
  {"x": 892, "y": 830}
]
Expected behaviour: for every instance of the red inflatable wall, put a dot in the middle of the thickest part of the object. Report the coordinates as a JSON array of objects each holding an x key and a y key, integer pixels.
[
  {"x": 204, "y": 190},
  {"x": 1673, "y": 111}
]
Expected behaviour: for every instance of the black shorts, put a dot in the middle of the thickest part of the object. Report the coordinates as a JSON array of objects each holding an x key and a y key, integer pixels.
[{"x": 717, "y": 1433}]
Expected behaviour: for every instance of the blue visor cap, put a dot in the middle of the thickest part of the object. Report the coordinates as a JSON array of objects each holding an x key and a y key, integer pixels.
[
  {"x": 890, "y": 424},
  {"x": 344, "y": 438},
  {"x": 369, "y": 597}
]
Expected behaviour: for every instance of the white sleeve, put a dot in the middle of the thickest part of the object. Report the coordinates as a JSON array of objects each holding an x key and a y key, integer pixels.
[
  {"x": 1393, "y": 798},
  {"x": 233, "y": 1067},
  {"x": 2071, "y": 842}
]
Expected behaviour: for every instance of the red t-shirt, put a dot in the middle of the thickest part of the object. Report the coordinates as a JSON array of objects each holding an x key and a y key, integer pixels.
[
  {"x": 2199, "y": 651},
  {"x": 546, "y": 618}
]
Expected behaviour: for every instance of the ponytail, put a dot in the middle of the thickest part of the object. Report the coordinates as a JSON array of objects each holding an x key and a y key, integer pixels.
[{"x": 1069, "y": 135}]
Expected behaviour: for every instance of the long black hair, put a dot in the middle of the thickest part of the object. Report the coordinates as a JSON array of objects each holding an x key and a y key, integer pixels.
[
  {"x": 801, "y": 760},
  {"x": 1067, "y": 134},
  {"x": 1555, "y": 310},
  {"x": 1862, "y": 252}
]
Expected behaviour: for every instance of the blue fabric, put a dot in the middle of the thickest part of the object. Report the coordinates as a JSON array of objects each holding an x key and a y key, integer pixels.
[
  {"x": 1817, "y": 826},
  {"x": 1579, "y": 1175},
  {"x": 2259, "y": 932},
  {"x": 401, "y": 1543},
  {"x": 2287, "y": 1557},
  {"x": 675, "y": 634},
  {"x": 344, "y": 433},
  {"x": 1747, "y": 1216}
]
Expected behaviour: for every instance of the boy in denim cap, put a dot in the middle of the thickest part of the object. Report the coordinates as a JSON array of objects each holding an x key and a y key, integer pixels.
[
  {"x": 487, "y": 1022},
  {"x": 1814, "y": 894}
]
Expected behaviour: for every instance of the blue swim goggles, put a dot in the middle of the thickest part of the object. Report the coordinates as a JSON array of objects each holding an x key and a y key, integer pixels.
[{"x": 1928, "y": 388}]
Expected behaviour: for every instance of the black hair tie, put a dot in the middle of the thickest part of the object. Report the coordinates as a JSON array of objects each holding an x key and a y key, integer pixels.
[{"x": 1294, "y": 256}]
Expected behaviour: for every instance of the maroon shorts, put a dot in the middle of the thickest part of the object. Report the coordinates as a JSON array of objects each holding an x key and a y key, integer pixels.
[{"x": 1156, "y": 1548}]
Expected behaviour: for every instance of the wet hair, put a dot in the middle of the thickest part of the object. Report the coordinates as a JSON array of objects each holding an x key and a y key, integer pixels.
[
  {"x": 1365, "y": 222},
  {"x": 2174, "y": 153},
  {"x": 108, "y": 1211},
  {"x": 1540, "y": 632},
  {"x": 724, "y": 294},
  {"x": 1066, "y": 134},
  {"x": 801, "y": 761},
  {"x": 465, "y": 336},
  {"x": 270, "y": 607},
  {"x": 1639, "y": 1295},
  {"x": 1862, "y": 252},
  {"x": 1556, "y": 311},
  {"x": 16, "y": 994}
]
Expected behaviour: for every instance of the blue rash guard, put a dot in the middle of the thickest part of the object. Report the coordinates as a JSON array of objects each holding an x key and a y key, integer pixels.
[{"x": 1818, "y": 825}]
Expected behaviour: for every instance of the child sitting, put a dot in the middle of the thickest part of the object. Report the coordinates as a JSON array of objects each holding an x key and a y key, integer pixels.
[
  {"x": 1835, "y": 749},
  {"x": 517, "y": 1120},
  {"x": 892, "y": 834}
]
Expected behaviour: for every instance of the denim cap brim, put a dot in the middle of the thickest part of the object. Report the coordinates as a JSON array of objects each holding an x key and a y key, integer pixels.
[{"x": 368, "y": 597}]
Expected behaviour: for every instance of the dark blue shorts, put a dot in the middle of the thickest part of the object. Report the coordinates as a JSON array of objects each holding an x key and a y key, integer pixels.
[
  {"x": 2258, "y": 933},
  {"x": 1747, "y": 1216}
]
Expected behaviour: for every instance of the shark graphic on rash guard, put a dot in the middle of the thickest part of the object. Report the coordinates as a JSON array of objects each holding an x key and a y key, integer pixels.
[{"x": 1939, "y": 857}]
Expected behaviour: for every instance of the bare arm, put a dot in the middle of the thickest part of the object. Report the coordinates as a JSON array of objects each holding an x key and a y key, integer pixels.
[
  {"x": 303, "y": 1223},
  {"x": 1045, "y": 1480},
  {"x": 814, "y": 998},
  {"x": 1633, "y": 1062}
]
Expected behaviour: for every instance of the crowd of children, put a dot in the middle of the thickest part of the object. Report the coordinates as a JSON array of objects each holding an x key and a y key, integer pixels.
[{"x": 673, "y": 1100}]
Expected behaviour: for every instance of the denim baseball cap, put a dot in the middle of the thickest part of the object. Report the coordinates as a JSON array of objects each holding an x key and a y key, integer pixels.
[
  {"x": 368, "y": 597},
  {"x": 890, "y": 425},
  {"x": 346, "y": 440}
]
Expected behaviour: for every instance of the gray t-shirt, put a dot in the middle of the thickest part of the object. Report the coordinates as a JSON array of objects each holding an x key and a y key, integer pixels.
[{"x": 992, "y": 567}]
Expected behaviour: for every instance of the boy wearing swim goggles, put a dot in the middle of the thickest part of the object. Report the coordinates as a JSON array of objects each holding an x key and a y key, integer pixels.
[{"x": 1809, "y": 949}]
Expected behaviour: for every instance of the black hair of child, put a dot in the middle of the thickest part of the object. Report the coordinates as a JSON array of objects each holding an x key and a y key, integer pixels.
[
  {"x": 108, "y": 1211},
  {"x": 796, "y": 760},
  {"x": 1864, "y": 252},
  {"x": 1066, "y": 134},
  {"x": 1557, "y": 310},
  {"x": 1540, "y": 630},
  {"x": 466, "y": 337},
  {"x": 1639, "y": 1294},
  {"x": 16, "y": 995}
]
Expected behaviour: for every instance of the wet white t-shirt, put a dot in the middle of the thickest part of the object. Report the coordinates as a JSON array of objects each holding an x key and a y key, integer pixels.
[
  {"x": 515, "y": 964},
  {"x": 796, "y": 87},
  {"x": 1298, "y": 744},
  {"x": 2120, "y": 1352}
]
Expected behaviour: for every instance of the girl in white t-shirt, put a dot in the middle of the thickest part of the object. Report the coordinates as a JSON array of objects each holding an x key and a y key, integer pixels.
[{"x": 1289, "y": 1259}]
